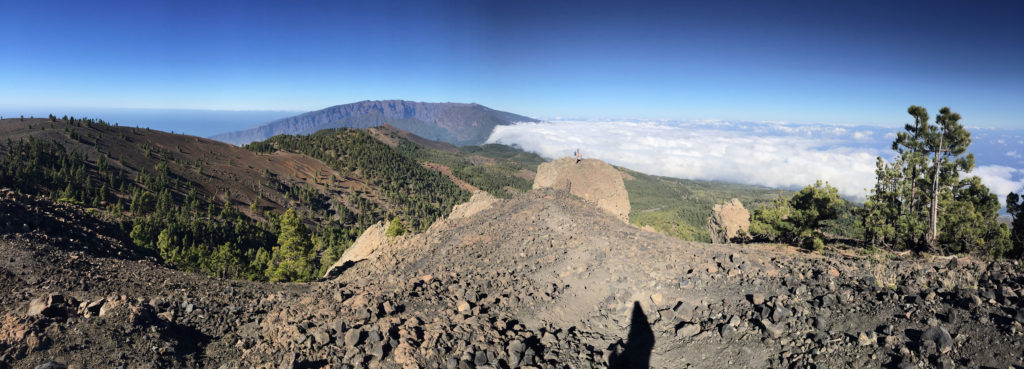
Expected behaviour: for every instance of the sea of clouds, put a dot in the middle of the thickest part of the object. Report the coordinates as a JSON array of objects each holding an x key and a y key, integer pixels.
[{"x": 776, "y": 155}]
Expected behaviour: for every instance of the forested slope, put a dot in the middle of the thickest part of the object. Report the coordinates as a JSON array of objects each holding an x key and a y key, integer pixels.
[{"x": 210, "y": 207}]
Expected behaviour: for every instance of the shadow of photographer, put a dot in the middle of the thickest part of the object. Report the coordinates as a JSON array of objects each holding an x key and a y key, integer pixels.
[{"x": 639, "y": 343}]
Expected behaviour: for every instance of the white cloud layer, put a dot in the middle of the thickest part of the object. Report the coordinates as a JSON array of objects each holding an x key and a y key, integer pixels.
[
  {"x": 1001, "y": 180},
  {"x": 768, "y": 154},
  {"x": 776, "y": 155}
]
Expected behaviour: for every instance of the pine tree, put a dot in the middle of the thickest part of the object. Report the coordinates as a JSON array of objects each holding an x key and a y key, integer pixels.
[
  {"x": 1015, "y": 207},
  {"x": 947, "y": 145},
  {"x": 920, "y": 201},
  {"x": 290, "y": 260},
  {"x": 799, "y": 220},
  {"x": 395, "y": 228}
]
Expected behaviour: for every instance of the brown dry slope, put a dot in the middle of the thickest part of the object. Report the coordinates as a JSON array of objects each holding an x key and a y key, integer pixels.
[
  {"x": 548, "y": 279},
  {"x": 543, "y": 280}
]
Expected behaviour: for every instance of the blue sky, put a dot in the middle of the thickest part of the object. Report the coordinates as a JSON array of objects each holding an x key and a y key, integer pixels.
[{"x": 854, "y": 62}]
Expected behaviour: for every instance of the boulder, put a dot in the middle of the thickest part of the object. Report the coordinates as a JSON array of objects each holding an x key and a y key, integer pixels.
[
  {"x": 53, "y": 305},
  {"x": 366, "y": 246},
  {"x": 590, "y": 179},
  {"x": 941, "y": 338},
  {"x": 480, "y": 201},
  {"x": 687, "y": 330},
  {"x": 727, "y": 220}
]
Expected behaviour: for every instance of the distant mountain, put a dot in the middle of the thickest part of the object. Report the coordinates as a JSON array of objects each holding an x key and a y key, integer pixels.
[{"x": 455, "y": 123}]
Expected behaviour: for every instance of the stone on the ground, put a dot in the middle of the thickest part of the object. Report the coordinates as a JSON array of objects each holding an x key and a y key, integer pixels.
[
  {"x": 688, "y": 330},
  {"x": 940, "y": 337}
]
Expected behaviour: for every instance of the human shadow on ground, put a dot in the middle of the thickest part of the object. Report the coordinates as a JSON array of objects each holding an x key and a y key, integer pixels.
[{"x": 639, "y": 343}]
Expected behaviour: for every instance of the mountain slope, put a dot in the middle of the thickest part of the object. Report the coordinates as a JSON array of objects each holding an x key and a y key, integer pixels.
[
  {"x": 680, "y": 207},
  {"x": 497, "y": 169},
  {"x": 211, "y": 207},
  {"x": 543, "y": 280},
  {"x": 456, "y": 123}
]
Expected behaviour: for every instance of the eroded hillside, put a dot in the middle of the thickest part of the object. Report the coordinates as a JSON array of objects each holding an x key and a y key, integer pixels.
[{"x": 542, "y": 280}]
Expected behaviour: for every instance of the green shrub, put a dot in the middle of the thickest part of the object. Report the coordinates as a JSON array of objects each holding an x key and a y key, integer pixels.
[
  {"x": 395, "y": 228},
  {"x": 799, "y": 220}
]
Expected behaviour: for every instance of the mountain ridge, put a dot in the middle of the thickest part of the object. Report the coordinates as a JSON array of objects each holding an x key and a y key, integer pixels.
[{"x": 455, "y": 123}]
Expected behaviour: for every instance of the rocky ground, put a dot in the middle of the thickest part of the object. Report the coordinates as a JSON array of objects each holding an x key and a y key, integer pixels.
[{"x": 544, "y": 280}]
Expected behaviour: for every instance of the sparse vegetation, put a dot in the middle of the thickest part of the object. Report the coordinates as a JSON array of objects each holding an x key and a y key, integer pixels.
[
  {"x": 500, "y": 177},
  {"x": 418, "y": 195},
  {"x": 679, "y": 207}
]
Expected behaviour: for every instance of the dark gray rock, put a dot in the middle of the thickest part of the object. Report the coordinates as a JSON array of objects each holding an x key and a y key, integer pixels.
[
  {"x": 886, "y": 329},
  {"x": 51, "y": 365},
  {"x": 826, "y": 301},
  {"x": 820, "y": 323},
  {"x": 938, "y": 336},
  {"x": 480, "y": 358},
  {"x": 780, "y": 313},
  {"x": 727, "y": 331}
]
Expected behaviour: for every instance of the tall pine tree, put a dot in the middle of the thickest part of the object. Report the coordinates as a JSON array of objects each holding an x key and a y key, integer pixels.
[
  {"x": 290, "y": 260},
  {"x": 920, "y": 201},
  {"x": 1015, "y": 207}
]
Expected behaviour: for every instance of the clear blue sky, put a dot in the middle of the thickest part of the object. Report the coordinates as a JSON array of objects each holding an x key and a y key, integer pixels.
[{"x": 858, "y": 62}]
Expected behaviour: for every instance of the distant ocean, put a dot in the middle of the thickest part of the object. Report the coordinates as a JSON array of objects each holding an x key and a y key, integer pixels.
[{"x": 202, "y": 123}]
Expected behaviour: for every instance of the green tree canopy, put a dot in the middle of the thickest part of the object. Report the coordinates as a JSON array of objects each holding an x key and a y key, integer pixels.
[
  {"x": 395, "y": 228},
  {"x": 919, "y": 200},
  {"x": 799, "y": 220},
  {"x": 290, "y": 260},
  {"x": 1015, "y": 207}
]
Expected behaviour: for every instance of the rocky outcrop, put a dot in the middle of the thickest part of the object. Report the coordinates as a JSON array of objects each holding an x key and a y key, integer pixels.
[
  {"x": 480, "y": 201},
  {"x": 368, "y": 244},
  {"x": 727, "y": 220},
  {"x": 590, "y": 179}
]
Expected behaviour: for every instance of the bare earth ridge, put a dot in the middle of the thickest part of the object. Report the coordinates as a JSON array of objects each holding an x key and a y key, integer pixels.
[{"x": 543, "y": 280}]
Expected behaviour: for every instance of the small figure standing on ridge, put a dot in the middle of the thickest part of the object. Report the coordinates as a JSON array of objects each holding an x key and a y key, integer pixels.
[{"x": 578, "y": 156}]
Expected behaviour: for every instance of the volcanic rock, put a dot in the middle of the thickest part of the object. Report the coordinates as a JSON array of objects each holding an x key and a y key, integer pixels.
[
  {"x": 366, "y": 246},
  {"x": 727, "y": 220},
  {"x": 590, "y": 179},
  {"x": 939, "y": 336},
  {"x": 480, "y": 201}
]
